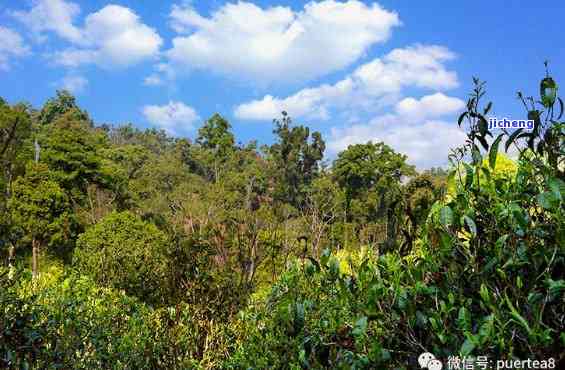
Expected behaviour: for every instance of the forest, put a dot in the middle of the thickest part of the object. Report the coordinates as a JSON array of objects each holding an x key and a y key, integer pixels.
[{"x": 124, "y": 248}]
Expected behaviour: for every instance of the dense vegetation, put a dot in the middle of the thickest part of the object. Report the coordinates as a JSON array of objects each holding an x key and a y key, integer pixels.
[{"x": 131, "y": 249}]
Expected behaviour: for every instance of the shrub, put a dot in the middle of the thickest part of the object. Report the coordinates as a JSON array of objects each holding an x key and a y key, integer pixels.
[{"x": 124, "y": 252}]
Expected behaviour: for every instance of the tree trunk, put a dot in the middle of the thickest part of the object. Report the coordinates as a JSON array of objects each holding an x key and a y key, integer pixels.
[{"x": 35, "y": 252}]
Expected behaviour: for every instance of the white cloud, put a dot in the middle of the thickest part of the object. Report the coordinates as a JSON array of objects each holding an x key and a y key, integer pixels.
[
  {"x": 73, "y": 83},
  {"x": 115, "y": 37},
  {"x": 371, "y": 86},
  {"x": 51, "y": 15},
  {"x": 174, "y": 117},
  {"x": 11, "y": 45},
  {"x": 277, "y": 44},
  {"x": 434, "y": 105},
  {"x": 112, "y": 36},
  {"x": 163, "y": 72},
  {"x": 414, "y": 129}
]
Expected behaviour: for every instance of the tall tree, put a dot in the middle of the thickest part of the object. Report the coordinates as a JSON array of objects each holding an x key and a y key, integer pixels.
[
  {"x": 63, "y": 103},
  {"x": 295, "y": 160},
  {"x": 217, "y": 143},
  {"x": 41, "y": 209},
  {"x": 370, "y": 175},
  {"x": 216, "y": 134},
  {"x": 15, "y": 127},
  {"x": 360, "y": 167},
  {"x": 70, "y": 147}
]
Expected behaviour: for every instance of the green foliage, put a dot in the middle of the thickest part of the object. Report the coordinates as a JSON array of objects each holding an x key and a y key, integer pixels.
[
  {"x": 63, "y": 104},
  {"x": 70, "y": 148},
  {"x": 124, "y": 252},
  {"x": 41, "y": 210},
  {"x": 216, "y": 255},
  {"x": 215, "y": 135},
  {"x": 67, "y": 321},
  {"x": 294, "y": 159},
  {"x": 370, "y": 175},
  {"x": 485, "y": 278},
  {"x": 360, "y": 167},
  {"x": 15, "y": 128}
]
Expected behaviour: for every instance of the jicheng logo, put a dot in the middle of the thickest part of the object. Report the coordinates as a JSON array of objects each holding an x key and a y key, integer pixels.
[
  {"x": 494, "y": 123},
  {"x": 429, "y": 361}
]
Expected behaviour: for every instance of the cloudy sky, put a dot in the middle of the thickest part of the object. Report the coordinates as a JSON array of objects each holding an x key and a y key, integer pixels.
[{"x": 392, "y": 71}]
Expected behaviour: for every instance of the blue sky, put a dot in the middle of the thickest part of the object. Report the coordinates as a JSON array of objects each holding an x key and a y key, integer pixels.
[{"x": 392, "y": 71}]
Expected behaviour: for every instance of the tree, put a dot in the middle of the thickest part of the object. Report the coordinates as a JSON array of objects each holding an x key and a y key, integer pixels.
[
  {"x": 362, "y": 167},
  {"x": 125, "y": 252},
  {"x": 41, "y": 209},
  {"x": 70, "y": 147},
  {"x": 63, "y": 103},
  {"x": 215, "y": 134},
  {"x": 371, "y": 175},
  {"x": 419, "y": 195},
  {"x": 325, "y": 206},
  {"x": 216, "y": 146},
  {"x": 15, "y": 127},
  {"x": 295, "y": 159}
]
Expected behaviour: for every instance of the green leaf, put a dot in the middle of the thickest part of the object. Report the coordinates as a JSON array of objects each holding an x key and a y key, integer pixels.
[
  {"x": 484, "y": 293},
  {"x": 557, "y": 187},
  {"x": 483, "y": 126},
  {"x": 446, "y": 216},
  {"x": 360, "y": 326},
  {"x": 555, "y": 287},
  {"x": 546, "y": 200},
  {"x": 464, "y": 319},
  {"x": 334, "y": 266},
  {"x": 445, "y": 241},
  {"x": 325, "y": 257},
  {"x": 501, "y": 242},
  {"x": 487, "y": 108},
  {"x": 494, "y": 151},
  {"x": 548, "y": 89},
  {"x": 483, "y": 142},
  {"x": 461, "y": 118},
  {"x": 486, "y": 171},
  {"x": 470, "y": 224},
  {"x": 467, "y": 347},
  {"x": 516, "y": 316},
  {"x": 469, "y": 175},
  {"x": 535, "y": 297},
  {"x": 476, "y": 155},
  {"x": 485, "y": 331},
  {"x": 511, "y": 138}
]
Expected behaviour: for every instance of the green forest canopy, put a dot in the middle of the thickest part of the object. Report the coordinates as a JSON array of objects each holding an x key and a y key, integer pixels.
[{"x": 152, "y": 251}]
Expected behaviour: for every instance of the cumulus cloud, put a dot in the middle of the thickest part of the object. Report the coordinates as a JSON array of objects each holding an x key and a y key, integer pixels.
[
  {"x": 277, "y": 44},
  {"x": 51, "y": 15},
  {"x": 73, "y": 83},
  {"x": 435, "y": 105},
  {"x": 414, "y": 128},
  {"x": 11, "y": 45},
  {"x": 371, "y": 86},
  {"x": 112, "y": 36},
  {"x": 174, "y": 117}
]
